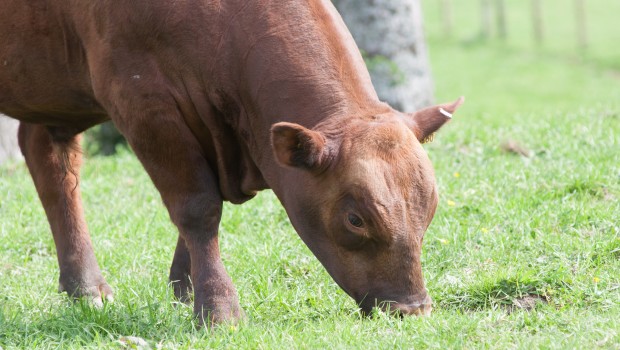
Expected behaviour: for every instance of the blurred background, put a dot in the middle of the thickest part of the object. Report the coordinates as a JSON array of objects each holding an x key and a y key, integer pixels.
[{"x": 525, "y": 56}]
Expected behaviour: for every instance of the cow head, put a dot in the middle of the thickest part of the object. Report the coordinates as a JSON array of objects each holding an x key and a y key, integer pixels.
[{"x": 363, "y": 198}]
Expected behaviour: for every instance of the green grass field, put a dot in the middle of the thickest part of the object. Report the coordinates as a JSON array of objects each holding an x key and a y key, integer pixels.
[{"x": 524, "y": 252}]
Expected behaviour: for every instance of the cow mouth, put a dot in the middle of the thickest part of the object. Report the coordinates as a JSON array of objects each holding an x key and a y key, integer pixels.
[{"x": 394, "y": 308}]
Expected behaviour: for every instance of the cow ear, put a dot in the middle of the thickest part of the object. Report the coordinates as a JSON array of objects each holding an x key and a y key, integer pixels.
[
  {"x": 298, "y": 147},
  {"x": 427, "y": 121}
]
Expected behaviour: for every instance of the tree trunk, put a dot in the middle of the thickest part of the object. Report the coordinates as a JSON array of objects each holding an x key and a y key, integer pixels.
[
  {"x": 9, "y": 149},
  {"x": 390, "y": 35}
]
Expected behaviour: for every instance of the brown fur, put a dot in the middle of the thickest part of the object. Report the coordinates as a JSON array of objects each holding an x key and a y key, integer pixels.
[{"x": 200, "y": 89}]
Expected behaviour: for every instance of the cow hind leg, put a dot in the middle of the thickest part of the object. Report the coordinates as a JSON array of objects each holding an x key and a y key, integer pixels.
[
  {"x": 180, "y": 272},
  {"x": 53, "y": 158}
]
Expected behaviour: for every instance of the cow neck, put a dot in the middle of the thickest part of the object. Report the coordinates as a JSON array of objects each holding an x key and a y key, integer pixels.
[{"x": 305, "y": 69}]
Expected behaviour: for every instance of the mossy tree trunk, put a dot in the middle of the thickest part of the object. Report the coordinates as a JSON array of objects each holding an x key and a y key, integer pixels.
[
  {"x": 391, "y": 37},
  {"x": 9, "y": 149}
]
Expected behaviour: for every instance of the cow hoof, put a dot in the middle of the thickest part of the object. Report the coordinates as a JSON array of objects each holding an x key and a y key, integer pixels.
[
  {"x": 222, "y": 315},
  {"x": 96, "y": 294},
  {"x": 105, "y": 294},
  {"x": 182, "y": 288}
]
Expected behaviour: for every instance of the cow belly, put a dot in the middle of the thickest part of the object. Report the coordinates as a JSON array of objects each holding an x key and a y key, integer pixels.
[{"x": 59, "y": 111}]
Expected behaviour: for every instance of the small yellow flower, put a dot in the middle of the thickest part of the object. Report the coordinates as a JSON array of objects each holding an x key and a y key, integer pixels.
[
  {"x": 456, "y": 174},
  {"x": 451, "y": 203},
  {"x": 596, "y": 280},
  {"x": 484, "y": 230},
  {"x": 443, "y": 241}
]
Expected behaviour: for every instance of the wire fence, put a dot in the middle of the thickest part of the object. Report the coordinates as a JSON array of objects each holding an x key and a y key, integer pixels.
[{"x": 590, "y": 29}]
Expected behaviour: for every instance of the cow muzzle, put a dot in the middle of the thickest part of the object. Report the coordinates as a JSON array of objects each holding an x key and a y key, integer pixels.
[{"x": 422, "y": 308}]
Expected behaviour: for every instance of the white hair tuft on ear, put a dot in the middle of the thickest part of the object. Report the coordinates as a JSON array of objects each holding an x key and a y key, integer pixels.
[{"x": 446, "y": 113}]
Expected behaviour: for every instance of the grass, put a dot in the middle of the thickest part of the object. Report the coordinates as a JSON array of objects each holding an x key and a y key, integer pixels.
[{"x": 524, "y": 252}]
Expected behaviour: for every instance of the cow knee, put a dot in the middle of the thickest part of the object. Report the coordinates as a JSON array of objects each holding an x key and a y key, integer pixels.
[{"x": 197, "y": 214}]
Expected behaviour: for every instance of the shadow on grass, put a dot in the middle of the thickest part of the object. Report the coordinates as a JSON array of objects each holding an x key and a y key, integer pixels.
[{"x": 507, "y": 294}]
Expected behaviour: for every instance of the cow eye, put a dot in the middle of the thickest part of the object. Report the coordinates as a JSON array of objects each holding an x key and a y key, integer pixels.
[{"x": 355, "y": 220}]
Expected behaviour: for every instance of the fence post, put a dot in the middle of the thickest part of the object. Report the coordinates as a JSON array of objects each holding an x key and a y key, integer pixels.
[
  {"x": 446, "y": 15},
  {"x": 485, "y": 25},
  {"x": 500, "y": 13},
  {"x": 580, "y": 16},
  {"x": 537, "y": 22}
]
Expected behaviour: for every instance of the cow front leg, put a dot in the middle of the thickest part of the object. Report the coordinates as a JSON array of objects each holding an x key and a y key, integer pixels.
[
  {"x": 180, "y": 272},
  {"x": 175, "y": 162},
  {"x": 53, "y": 158},
  {"x": 215, "y": 297}
]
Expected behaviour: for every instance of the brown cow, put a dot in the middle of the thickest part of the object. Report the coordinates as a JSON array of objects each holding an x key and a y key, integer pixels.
[{"x": 220, "y": 99}]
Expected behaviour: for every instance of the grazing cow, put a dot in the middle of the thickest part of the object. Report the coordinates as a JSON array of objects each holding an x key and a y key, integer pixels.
[{"x": 220, "y": 99}]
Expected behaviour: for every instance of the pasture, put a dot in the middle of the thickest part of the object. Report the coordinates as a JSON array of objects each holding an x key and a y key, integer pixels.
[{"x": 524, "y": 251}]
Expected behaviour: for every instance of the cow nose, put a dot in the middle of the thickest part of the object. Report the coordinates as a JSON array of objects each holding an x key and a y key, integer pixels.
[{"x": 423, "y": 308}]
